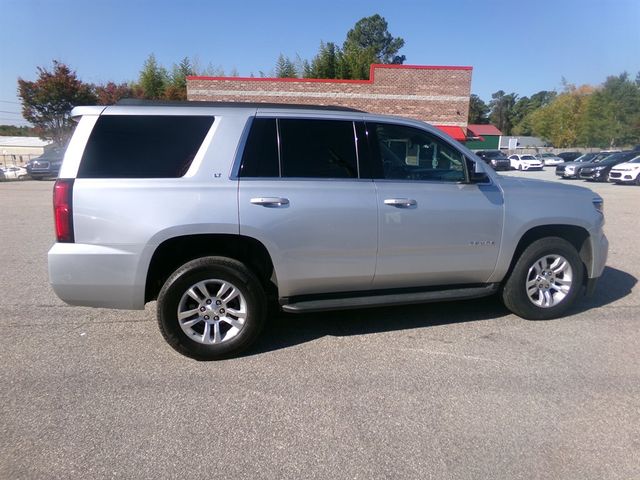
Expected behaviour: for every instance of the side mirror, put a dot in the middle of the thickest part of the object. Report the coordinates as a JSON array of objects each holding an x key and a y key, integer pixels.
[{"x": 477, "y": 173}]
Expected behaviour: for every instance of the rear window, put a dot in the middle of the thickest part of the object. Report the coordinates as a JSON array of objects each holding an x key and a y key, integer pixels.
[
  {"x": 143, "y": 146},
  {"x": 301, "y": 148}
]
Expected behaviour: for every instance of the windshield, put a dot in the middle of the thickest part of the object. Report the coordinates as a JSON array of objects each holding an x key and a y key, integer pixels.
[
  {"x": 617, "y": 157},
  {"x": 587, "y": 157},
  {"x": 527, "y": 157}
]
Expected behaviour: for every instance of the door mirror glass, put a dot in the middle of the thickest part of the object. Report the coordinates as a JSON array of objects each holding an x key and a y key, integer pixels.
[{"x": 477, "y": 173}]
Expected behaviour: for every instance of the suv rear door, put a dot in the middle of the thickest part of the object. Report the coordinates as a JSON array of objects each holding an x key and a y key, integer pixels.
[
  {"x": 303, "y": 194},
  {"x": 435, "y": 228}
]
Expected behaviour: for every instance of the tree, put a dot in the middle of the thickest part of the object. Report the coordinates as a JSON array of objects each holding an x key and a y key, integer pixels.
[
  {"x": 153, "y": 79},
  {"x": 523, "y": 109},
  {"x": 285, "y": 68},
  {"x": 613, "y": 113},
  {"x": 369, "y": 41},
  {"x": 560, "y": 121},
  {"x": 48, "y": 101},
  {"x": 501, "y": 105},
  {"x": 110, "y": 93},
  {"x": 478, "y": 110},
  {"x": 14, "y": 131},
  {"x": 326, "y": 62},
  {"x": 371, "y": 34},
  {"x": 176, "y": 88}
]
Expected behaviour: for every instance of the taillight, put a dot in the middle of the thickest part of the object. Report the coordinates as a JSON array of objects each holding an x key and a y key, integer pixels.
[{"x": 62, "y": 209}]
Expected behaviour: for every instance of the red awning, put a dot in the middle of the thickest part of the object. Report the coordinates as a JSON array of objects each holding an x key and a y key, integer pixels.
[{"x": 456, "y": 132}]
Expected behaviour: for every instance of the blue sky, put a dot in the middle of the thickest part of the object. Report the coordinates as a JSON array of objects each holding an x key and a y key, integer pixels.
[{"x": 516, "y": 46}]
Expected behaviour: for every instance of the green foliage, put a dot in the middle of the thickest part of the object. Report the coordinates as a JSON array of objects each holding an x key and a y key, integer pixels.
[
  {"x": 613, "y": 113},
  {"x": 371, "y": 35},
  {"x": 502, "y": 106},
  {"x": 48, "y": 101},
  {"x": 524, "y": 107},
  {"x": 285, "y": 68},
  {"x": 14, "y": 131},
  {"x": 478, "y": 110},
  {"x": 559, "y": 121},
  {"x": 326, "y": 63},
  {"x": 369, "y": 41},
  {"x": 176, "y": 87},
  {"x": 605, "y": 117},
  {"x": 153, "y": 79}
]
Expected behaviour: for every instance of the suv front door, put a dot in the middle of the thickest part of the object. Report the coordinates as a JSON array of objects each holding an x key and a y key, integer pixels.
[{"x": 435, "y": 227}]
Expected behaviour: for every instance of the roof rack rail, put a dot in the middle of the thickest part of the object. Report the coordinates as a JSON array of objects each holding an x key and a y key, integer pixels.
[{"x": 181, "y": 103}]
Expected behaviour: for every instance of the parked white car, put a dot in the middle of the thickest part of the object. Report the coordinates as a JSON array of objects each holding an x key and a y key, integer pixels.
[
  {"x": 549, "y": 159},
  {"x": 11, "y": 172},
  {"x": 628, "y": 172},
  {"x": 525, "y": 162}
]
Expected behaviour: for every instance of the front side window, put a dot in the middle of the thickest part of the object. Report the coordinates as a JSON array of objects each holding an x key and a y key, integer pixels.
[
  {"x": 408, "y": 153},
  {"x": 143, "y": 146}
]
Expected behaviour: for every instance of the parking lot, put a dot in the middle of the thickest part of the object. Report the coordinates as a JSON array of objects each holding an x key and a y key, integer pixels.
[{"x": 461, "y": 390}]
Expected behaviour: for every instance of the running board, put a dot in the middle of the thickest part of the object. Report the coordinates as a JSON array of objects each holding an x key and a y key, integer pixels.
[{"x": 370, "y": 300}]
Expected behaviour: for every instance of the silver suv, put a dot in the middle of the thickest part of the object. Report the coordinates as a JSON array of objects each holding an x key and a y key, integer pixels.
[{"x": 215, "y": 210}]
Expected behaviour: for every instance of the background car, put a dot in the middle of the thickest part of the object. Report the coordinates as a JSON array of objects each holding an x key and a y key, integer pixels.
[
  {"x": 572, "y": 169},
  {"x": 11, "y": 172},
  {"x": 47, "y": 165},
  {"x": 569, "y": 156},
  {"x": 525, "y": 162},
  {"x": 628, "y": 172},
  {"x": 495, "y": 158},
  {"x": 599, "y": 171},
  {"x": 549, "y": 159}
]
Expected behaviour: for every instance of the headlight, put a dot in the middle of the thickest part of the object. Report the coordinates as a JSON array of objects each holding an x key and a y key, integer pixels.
[
  {"x": 570, "y": 169},
  {"x": 598, "y": 204},
  {"x": 494, "y": 162},
  {"x": 599, "y": 168}
]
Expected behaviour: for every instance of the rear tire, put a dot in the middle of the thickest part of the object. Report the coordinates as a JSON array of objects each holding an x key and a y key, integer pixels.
[
  {"x": 545, "y": 280},
  {"x": 211, "y": 308}
]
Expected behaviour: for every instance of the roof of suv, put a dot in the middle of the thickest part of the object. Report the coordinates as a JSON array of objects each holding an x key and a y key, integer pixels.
[
  {"x": 183, "y": 107},
  {"x": 284, "y": 106}
]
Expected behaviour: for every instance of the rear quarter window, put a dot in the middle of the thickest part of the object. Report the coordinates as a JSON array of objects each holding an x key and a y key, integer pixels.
[{"x": 143, "y": 146}]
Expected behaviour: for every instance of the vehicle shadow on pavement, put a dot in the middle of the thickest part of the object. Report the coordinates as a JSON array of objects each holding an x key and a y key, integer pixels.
[
  {"x": 613, "y": 285},
  {"x": 287, "y": 330}
]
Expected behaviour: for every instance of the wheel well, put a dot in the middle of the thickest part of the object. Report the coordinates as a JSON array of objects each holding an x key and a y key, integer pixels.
[
  {"x": 177, "y": 251},
  {"x": 576, "y": 236}
]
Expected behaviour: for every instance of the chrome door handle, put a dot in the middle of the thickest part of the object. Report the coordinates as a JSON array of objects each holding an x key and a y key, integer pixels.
[
  {"x": 401, "y": 202},
  {"x": 270, "y": 201}
]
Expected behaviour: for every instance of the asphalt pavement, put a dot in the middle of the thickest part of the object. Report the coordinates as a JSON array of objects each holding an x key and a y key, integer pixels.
[{"x": 461, "y": 390}]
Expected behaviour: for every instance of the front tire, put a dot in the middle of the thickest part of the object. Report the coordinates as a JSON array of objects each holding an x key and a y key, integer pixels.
[
  {"x": 211, "y": 308},
  {"x": 545, "y": 280}
]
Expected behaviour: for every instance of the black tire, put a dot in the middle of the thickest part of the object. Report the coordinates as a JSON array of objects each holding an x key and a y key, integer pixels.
[
  {"x": 638, "y": 179},
  {"x": 211, "y": 269},
  {"x": 514, "y": 292}
]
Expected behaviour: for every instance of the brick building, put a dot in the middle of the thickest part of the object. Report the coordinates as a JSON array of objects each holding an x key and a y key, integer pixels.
[{"x": 438, "y": 95}]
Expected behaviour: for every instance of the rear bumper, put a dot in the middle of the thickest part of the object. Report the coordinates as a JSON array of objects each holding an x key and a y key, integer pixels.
[{"x": 96, "y": 276}]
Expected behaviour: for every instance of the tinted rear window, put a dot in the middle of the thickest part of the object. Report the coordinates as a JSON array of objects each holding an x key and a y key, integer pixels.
[
  {"x": 260, "y": 157},
  {"x": 318, "y": 148},
  {"x": 143, "y": 146}
]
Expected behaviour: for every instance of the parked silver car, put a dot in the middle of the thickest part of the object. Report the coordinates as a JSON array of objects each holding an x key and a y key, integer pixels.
[{"x": 216, "y": 210}]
